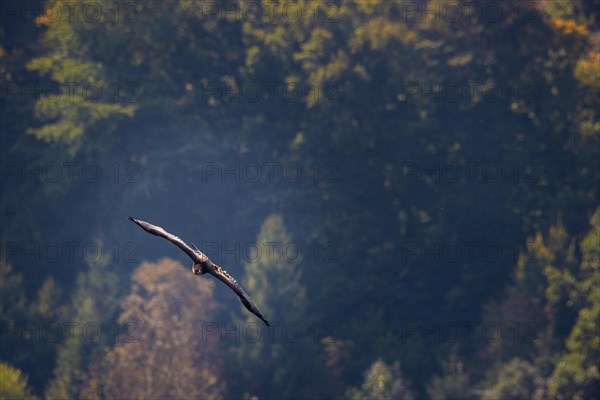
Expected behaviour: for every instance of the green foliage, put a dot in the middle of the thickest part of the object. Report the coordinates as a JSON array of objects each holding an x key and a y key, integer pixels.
[
  {"x": 518, "y": 379},
  {"x": 48, "y": 304},
  {"x": 274, "y": 273},
  {"x": 22, "y": 322},
  {"x": 273, "y": 276},
  {"x": 577, "y": 374},
  {"x": 13, "y": 384},
  {"x": 93, "y": 304},
  {"x": 453, "y": 384},
  {"x": 539, "y": 300},
  {"x": 12, "y": 296},
  {"x": 382, "y": 382},
  {"x": 73, "y": 110},
  {"x": 569, "y": 287},
  {"x": 368, "y": 147}
]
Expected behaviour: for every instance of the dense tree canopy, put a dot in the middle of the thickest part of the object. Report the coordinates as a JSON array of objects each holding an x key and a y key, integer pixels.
[{"x": 405, "y": 188}]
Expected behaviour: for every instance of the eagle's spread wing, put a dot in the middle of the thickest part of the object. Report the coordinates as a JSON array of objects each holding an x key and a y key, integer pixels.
[
  {"x": 195, "y": 255},
  {"x": 227, "y": 279},
  {"x": 198, "y": 257}
]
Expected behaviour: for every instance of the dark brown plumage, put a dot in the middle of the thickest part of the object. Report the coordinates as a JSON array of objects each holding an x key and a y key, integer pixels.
[{"x": 203, "y": 265}]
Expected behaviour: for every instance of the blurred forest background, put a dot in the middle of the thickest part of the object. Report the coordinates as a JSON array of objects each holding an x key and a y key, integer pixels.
[{"x": 427, "y": 175}]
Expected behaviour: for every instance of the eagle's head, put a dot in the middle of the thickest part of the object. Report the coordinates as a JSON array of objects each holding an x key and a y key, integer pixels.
[{"x": 197, "y": 269}]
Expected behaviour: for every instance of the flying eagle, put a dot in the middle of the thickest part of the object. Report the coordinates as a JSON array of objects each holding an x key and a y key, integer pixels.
[{"x": 202, "y": 265}]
